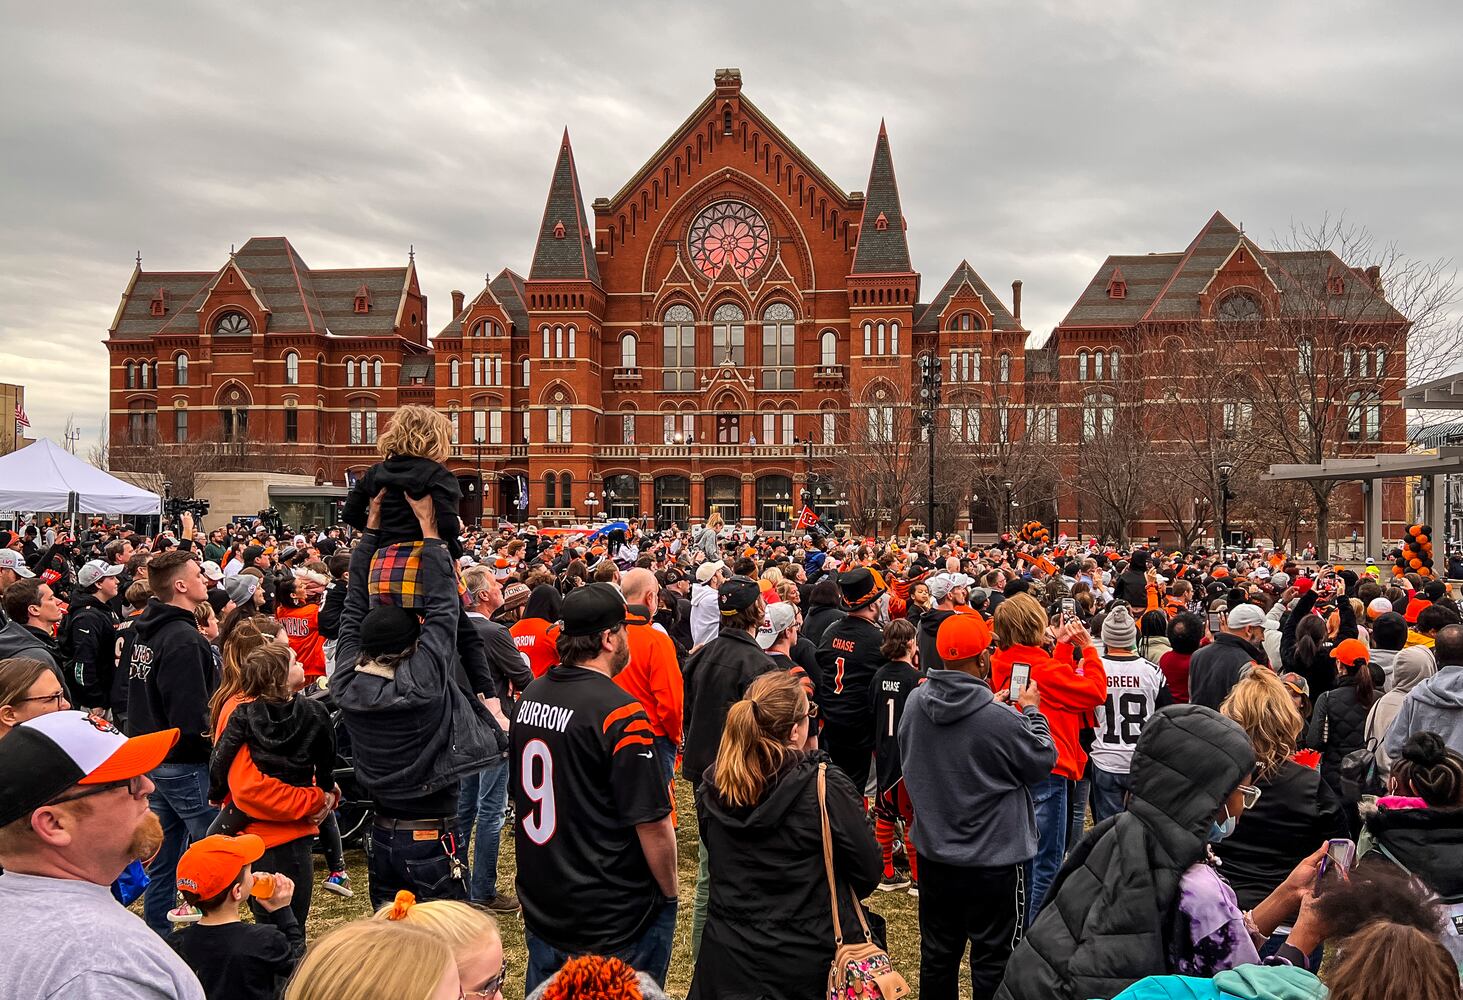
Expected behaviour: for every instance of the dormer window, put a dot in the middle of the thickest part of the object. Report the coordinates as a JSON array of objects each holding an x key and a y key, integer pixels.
[
  {"x": 558, "y": 230},
  {"x": 363, "y": 299},
  {"x": 1117, "y": 286},
  {"x": 882, "y": 222},
  {"x": 1336, "y": 285},
  {"x": 159, "y": 305}
]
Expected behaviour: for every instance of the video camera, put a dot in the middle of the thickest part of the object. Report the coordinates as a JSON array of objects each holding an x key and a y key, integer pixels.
[
  {"x": 270, "y": 518},
  {"x": 175, "y": 507}
]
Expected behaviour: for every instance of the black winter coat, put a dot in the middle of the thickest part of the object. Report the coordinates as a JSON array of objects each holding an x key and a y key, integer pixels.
[
  {"x": 89, "y": 648},
  {"x": 291, "y": 741},
  {"x": 717, "y": 675},
  {"x": 816, "y": 622},
  {"x": 1320, "y": 671},
  {"x": 1214, "y": 669},
  {"x": 769, "y": 927},
  {"x": 1109, "y": 917},
  {"x": 924, "y": 639},
  {"x": 402, "y": 476},
  {"x": 1426, "y": 842},
  {"x": 1338, "y": 724},
  {"x": 1297, "y": 810}
]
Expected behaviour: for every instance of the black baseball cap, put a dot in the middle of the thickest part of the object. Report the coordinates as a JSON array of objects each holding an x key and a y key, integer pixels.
[
  {"x": 592, "y": 609},
  {"x": 737, "y": 594},
  {"x": 671, "y": 576}
]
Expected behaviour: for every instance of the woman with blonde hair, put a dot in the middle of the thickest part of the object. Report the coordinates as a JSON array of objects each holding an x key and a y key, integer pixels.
[
  {"x": 1296, "y": 809},
  {"x": 471, "y": 934},
  {"x": 769, "y": 927},
  {"x": 376, "y": 960}
]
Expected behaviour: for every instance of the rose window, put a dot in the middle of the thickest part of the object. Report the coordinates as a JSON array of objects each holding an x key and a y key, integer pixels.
[{"x": 729, "y": 233}]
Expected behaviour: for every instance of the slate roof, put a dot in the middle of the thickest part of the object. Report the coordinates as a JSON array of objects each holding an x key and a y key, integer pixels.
[
  {"x": 883, "y": 251},
  {"x": 927, "y": 317},
  {"x": 508, "y": 286},
  {"x": 417, "y": 366},
  {"x": 1167, "y": 286},
  {"x": 572, "y": 257},
  {"x": 298, "y": 299}
]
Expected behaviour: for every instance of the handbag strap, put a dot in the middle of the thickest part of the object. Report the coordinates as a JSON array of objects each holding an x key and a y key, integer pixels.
[{"x": 828, "y": 864}]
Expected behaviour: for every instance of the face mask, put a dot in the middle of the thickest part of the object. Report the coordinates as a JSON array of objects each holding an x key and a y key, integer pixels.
[{"x": 1218, "y": 831}]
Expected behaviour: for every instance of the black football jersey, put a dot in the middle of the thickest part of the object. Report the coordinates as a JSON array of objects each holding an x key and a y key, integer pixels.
[{"x": 889, "y": 691}]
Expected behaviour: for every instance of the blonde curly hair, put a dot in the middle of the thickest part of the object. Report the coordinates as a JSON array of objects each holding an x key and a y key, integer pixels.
[{"x": 419, "y": 431}]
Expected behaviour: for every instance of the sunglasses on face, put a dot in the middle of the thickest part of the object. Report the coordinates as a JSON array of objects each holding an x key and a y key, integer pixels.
[
  {"x": 491, "y": 988},
  {"x": 133, "y": 786}
]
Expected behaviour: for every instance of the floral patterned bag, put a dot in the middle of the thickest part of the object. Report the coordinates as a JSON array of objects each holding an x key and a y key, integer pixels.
[{"x": 859, "y": 971}]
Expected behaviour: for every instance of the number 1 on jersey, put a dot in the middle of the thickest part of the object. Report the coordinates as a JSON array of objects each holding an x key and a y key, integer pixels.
[
  {"x": 838, "y": 676},
  {"x": 538, "y": 785}
]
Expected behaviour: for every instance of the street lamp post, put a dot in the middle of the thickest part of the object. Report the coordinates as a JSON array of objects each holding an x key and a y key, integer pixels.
[
  {"x": 930, "y": 367},
  {"x": 479, "y": 442},
  {"x": 1226, "y": 469},
  {"x": 1006, "y": 512},
  {"x": 591, "y": 502}
]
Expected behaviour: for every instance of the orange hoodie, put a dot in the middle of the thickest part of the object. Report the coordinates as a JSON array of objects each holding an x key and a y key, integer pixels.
[
  {"x": 1069, "y": 692},
  {"x": 281, "y": 812},
  {"x": 653, "y": 675}
]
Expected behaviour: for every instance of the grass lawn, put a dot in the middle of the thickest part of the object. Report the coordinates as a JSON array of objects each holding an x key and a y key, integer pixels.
[{"x": 899, "y": 909}]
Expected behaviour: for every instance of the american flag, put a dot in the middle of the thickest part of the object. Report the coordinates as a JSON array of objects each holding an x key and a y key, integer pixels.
[{"x": 21, "y": 420}]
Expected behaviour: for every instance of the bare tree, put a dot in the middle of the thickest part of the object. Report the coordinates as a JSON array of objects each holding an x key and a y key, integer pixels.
[
  {"x": 1337, "y": 343},
  {"x": 886, "y": 464},
  {"x": 100, "y": 453}
]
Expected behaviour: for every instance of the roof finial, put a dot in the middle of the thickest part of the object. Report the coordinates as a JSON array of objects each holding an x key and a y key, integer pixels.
[
  {"x": 139, "y": 259},
  {"x": 411, "y": 252},
  {"x": 488, "y": 278},
  {"x": 231, "y": 251}
]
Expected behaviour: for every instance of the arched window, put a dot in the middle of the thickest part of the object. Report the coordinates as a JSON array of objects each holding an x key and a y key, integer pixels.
[
  {"x": 1364, "y": 362},
  {"x": 146, "y": 375},
  {"x": 365, "y": 367},
  {"x": 1005, "y": 367},
  {"x": 1239, "y": 307},
  {"x": 571, "y": 353},
  {"x": 180, "y": 369},
  {"x": 880, "y": 338},
  {"x": 894, "y": 337},
  {"x": 777, "y": 346},
  {"x": 551, "y": 486},
  {"x": 454, "y": 372},
  {"x": 1081, "y": 366},
  {"x": 965, "y": 321},
  {"x": 350, "y": 372},
  {"x": 376, "y": 372},
  {"x": 678, "y": 350},
  {"x": 131, "y": 375},
  {"x": 629, "y": 351},
  {"x": 1381, "y": 362},
  {"x": 729, "y": 335},
  {"x": 233, "y": 324},
  {"x": 1305, "y": 357},
  {"x": 1097, "y": 362},
  {"x": 548, "y": 346},
  {"x": 291, "y": 368},
  {"x": 868, "y": 337},
  {"x": 828, "y": 348},
  {"x": 566, "y": 490},
  {"x": 1112, "y": 364}
]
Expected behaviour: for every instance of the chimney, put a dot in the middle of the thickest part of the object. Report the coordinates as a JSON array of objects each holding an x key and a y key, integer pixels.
[
  {"x": 1374, "y": 277},
  {"x": 1016, "y": 299},
  {"x": 456, "y": 303}
]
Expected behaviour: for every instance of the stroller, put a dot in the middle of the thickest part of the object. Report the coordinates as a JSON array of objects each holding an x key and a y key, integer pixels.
[{"x": 353, "y": 812}]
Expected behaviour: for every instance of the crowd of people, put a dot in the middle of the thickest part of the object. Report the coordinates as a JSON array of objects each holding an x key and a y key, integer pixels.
[{"x": 1103, "y": 772}]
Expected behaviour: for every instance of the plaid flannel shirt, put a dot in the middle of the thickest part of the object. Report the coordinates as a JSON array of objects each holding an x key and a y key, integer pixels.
[{"x": 395, "y": 572}]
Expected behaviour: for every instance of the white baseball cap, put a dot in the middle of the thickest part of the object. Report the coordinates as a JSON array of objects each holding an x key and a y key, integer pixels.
[
  {"x": 1246, "y": 616},
  {"x": 706, "y": 571},
  {"x": 12, "y": 560},
  {"x": 777, "y": 620},
  {"x": 212, "y": 570},
  {"x": 94, "y": 572}
]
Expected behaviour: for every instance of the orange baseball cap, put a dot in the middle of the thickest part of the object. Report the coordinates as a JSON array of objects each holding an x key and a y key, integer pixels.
[
  {"x": 1349, "y": 651},
  {"x": 961, "y": 637},
  {"x": 209, "y": 866}
]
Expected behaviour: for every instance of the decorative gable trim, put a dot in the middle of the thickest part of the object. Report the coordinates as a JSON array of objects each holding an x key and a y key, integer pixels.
[{"x": 1243, "y": 256}]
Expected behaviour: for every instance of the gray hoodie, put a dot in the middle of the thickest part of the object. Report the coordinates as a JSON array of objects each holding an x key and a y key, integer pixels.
[
  {"x": 969, "y": 763},
  {"x": 1406, "y": 669},
  {"x": 17, "y": 640},
  {"x": 1384, "y": 658},
  {"x": 1437, "y": 705}
]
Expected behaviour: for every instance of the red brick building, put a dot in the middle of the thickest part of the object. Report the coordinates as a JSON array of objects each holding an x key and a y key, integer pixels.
[{"x": 709, "y": 342}]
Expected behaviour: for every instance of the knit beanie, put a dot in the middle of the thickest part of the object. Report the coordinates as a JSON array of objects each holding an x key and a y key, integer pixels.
[
  {"x": 1118, "y": 630},
  {"x": 388, "y": 629}
]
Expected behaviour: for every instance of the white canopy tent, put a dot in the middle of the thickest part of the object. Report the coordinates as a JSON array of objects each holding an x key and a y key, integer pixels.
[{"x": 45, "y": 477}]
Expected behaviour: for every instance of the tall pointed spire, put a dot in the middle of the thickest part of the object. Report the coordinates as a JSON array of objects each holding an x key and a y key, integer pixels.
[
  {"x": 882, "y": 246},
  {"x": 565, "y": 247}
]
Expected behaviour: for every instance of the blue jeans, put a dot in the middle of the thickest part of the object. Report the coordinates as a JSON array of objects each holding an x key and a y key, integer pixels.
[
  {"x": 665, "y": 749},
  {"x": 480, "y": 813},
  {"x": 421, "y": 861},
  {"x": 181, "y": 804},
  {"x": 1109, "y": 793},
  {"x": 651, "y": 954},
  {"x": 1050, "y": 799},
  {"x": 1077, "y": 809}
]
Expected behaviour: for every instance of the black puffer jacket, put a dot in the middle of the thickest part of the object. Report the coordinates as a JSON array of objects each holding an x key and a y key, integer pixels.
[
  {"x": 1338, "y": 724},
  {"x": 402, "y": 476},
  {"x": 1319, "y": 669},
  {"x": 1109, "y": 915},
  {"x": 816, "y": 622},
  {"x": 769, "y": 927},
  {"x": 1426, "y": 842}
]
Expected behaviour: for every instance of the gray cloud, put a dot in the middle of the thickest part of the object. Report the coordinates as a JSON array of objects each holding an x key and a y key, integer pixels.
[{"x": 1030, "y": 139}]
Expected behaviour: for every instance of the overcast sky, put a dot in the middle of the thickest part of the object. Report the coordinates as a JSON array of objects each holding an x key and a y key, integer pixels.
[{"x": 1032, "y": 139}]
